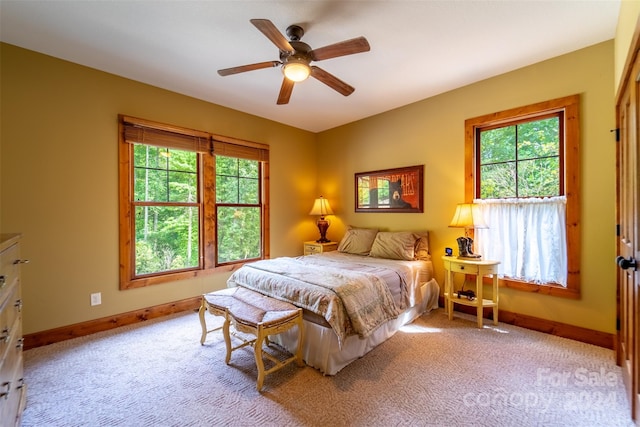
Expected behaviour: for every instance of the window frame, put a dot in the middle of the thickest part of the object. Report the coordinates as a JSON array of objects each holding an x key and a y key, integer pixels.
[
  {"x": 211, "y": 145},
  {"x": 570, "y": 106}
]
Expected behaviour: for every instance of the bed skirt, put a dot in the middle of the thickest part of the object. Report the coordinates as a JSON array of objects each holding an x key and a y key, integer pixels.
[{"x": 320, "y": 347}]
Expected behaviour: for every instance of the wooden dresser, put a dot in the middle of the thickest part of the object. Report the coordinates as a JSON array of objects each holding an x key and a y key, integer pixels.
[{"x": 12, "y": 387}]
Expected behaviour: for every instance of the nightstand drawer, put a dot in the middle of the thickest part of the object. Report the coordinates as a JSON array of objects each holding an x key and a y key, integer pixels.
[
  {"x": 464, "y": 268},
  {"x": 311, "y": 248}
]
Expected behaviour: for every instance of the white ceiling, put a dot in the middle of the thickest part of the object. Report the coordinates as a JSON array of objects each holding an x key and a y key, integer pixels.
[{"x": 418, "y": 48}]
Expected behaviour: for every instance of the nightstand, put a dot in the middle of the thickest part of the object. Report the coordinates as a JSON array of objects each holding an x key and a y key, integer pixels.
[
  {"x": 479, "y": 269},
  {"x": 312, "y": 247}
]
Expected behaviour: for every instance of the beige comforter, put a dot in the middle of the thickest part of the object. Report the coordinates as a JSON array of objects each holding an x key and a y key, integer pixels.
[{"x": 350, "y": 301}]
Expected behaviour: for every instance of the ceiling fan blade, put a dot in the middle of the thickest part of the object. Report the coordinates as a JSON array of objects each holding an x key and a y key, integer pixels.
[
  {"x": 332, "y": 81},
  {"x": 267, "y": 28},
  {"x": 285, "y": 91},
  {"x": 347, "y": 47},
  {"x": 250, "y": 67}
]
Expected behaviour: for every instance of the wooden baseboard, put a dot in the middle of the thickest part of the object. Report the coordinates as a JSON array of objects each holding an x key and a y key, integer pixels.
[
  {"x": 38, "y": 339},
  {"x": 63, "y": 333},
  {"x": 577, "y": 333}
]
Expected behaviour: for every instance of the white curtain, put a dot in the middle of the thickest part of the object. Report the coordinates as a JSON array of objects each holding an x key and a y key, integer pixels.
[{"x": 527, "y": 236}]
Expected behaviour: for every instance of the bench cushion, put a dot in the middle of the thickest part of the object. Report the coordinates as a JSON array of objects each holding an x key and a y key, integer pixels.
[{"x": 250, "y": 307}]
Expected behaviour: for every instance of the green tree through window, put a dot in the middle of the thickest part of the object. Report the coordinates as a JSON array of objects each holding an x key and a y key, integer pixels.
[
  {"x": 520, "y": 160},
  {"x": 167, "y": 214}
]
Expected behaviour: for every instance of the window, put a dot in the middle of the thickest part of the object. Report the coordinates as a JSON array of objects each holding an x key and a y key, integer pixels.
[
  {"x": 190, "y": 202},
  {"x": 521, "y": 160},
  {"x": 238, "y": 209},
  {"x": 165, "y": 209},
  {"x": 522, "y": 169}
]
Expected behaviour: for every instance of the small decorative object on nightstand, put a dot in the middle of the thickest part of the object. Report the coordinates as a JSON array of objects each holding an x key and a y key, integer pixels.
[
  {"x": 479, "y": 269},
  {"x": 312, "y": 247}
]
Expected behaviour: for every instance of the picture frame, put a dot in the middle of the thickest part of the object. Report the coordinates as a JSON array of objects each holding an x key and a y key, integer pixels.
[{"x": 397, "y": 190}]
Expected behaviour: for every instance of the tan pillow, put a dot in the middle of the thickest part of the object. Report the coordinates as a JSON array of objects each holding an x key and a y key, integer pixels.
[
  {"x": 394, "y": 245},
  {"x": 421, "y": 248},
  {"x": 357, "y": 241}
]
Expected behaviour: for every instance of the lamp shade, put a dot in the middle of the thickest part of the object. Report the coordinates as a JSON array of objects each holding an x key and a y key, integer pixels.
[
  {"x": 468, "y": 216},
  {"x": 321, "y": 207}
]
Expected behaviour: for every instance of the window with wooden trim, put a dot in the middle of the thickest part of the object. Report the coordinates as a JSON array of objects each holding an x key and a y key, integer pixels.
[
  {"x": 190, "y": 202},
  {"x": 522, "y": 168}
]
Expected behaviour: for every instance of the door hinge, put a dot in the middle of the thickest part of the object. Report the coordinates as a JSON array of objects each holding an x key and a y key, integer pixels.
[
  {"x": 617, "y": 131},
  {"x": 618, "y": 230}
]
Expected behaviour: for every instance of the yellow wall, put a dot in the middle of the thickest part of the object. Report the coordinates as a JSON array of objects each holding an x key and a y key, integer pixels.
[
  {"x": 627, "y": 24},
  {"x": 58, "y": 176},
  {"x": 60, "y": 188},
  {"x": 431, "y": 132}
]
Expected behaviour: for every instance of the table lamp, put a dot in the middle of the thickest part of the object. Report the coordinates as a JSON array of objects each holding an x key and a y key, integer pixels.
[{"x": 321, "y": 207}]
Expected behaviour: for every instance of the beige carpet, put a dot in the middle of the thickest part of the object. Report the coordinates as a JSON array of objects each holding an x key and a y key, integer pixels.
[{"x": 436, "y": 372}]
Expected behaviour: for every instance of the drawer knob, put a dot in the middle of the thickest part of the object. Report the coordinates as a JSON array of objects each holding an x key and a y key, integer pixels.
[
  {"x": 18, "y": 305},
  {"x": 6, "y": 334},
  {"x": 3, "y": 281},
  {"x": 21, "y": 261},
  {"x": 5, "y": 394},
  {"x": 462, "y": 267}
]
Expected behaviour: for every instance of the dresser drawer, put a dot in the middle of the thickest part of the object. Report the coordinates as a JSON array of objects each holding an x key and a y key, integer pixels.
[
  {"x": 12, "y": 379},
  {"x": 8, "y": 269},
  {"x": 10, "y": 315}
]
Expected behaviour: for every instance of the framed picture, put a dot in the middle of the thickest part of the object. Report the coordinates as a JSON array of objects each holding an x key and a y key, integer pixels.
[{"x": 390, "y": 190}]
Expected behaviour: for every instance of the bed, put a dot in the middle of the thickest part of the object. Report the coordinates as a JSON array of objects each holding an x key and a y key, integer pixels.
[{"x": 353, "y": 299}]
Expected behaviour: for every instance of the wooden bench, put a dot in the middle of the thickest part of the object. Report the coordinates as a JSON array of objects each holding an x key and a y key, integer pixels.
[{"x": 253, "y": 313}]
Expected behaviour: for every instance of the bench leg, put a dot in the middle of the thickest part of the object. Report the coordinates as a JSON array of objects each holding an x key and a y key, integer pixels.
[
  {"x": 257, "y": 350},
  {"x": 203, "y": 323},
  {"x": 227, "y": 336},
  {"x": 299, "y": 360}
]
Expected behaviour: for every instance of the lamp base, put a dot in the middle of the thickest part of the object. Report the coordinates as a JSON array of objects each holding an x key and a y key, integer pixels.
[{"x": 323, "y": 226}]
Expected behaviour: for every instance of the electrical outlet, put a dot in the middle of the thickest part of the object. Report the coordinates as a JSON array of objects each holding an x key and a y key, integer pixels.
[{"x": 96, "y": 299}]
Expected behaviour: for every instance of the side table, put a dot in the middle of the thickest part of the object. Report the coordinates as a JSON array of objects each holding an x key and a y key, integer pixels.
[{"x": 479, "y": 268}]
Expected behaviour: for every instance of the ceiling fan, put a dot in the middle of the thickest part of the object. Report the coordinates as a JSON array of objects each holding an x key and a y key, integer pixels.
[{"x": 296, "y": 56}]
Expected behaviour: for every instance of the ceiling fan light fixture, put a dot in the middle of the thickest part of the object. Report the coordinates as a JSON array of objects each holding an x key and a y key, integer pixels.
[{"x": 296, "y": 70}]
